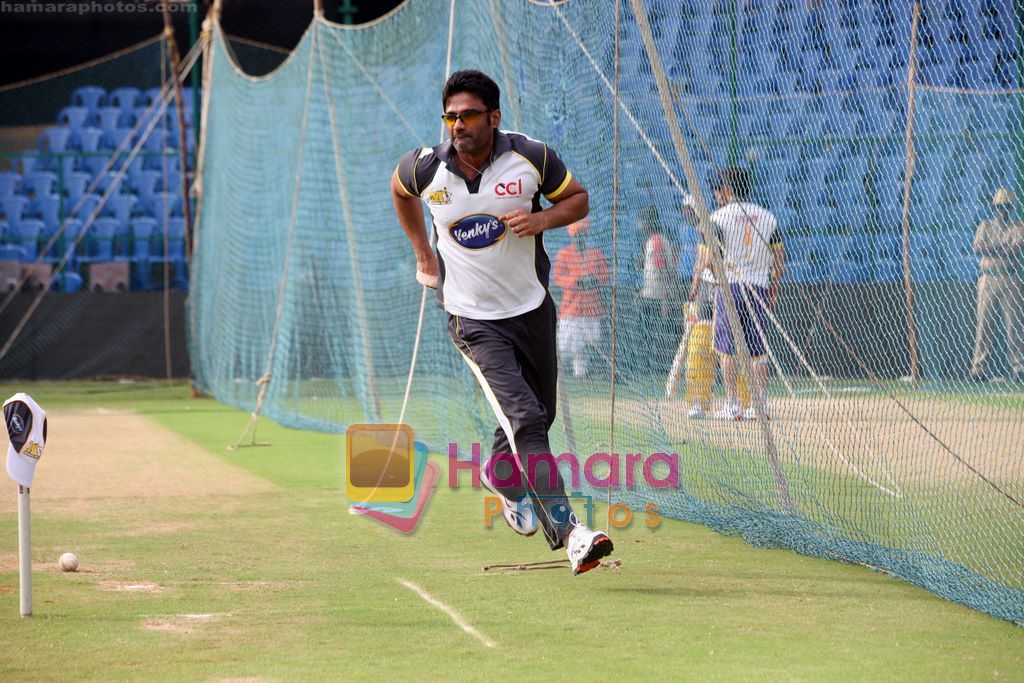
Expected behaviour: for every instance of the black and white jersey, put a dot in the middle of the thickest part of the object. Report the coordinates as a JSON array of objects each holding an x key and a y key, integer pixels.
[{"x": 486, "y": 271}]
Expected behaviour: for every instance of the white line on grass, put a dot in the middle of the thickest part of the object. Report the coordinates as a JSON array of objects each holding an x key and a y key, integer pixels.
[{"x": 456, "y": 617}]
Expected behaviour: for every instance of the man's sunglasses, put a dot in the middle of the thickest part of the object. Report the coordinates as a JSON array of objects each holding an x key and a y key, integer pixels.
[{"x": 468, "y": 117}]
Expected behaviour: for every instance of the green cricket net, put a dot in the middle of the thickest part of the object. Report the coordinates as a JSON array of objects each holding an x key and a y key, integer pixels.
[{"x": 876, "y": 134}]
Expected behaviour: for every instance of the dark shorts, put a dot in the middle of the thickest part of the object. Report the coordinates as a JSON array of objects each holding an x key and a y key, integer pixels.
[{"x": 757, "y": 297}]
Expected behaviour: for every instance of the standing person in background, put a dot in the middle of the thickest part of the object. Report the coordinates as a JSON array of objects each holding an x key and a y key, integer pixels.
[
  {"x": 753, "y": 257},
  {"x": 659, "y": 294},
  {"x": 483, "y": 188},
  {"x": 999, "y": 243},
  {"x": 701, "y": 363},
  {"x": 582, "y": 273}
]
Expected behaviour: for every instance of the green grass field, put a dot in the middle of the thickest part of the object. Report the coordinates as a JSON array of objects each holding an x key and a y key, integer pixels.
[{"x": 279, "y": 582}]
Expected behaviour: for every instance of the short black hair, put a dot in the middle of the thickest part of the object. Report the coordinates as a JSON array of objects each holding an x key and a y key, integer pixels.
[
  {"x": 737, "y": 178},
  {"x": 475, "y": 82}
]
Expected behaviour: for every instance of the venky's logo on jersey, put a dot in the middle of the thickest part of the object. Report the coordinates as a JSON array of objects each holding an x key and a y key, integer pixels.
[
  {"x": 478, "y": 231},
  {"x": 442, "y": 196},
  {"x": 509, "y": 190}
]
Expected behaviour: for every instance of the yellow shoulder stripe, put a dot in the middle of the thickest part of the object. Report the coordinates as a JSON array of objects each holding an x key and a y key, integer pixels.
[
  {"x": 561, "y": 188},
  {"x": 405, "y": 189}
]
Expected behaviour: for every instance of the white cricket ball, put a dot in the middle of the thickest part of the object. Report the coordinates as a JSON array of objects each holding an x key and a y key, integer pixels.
[{"x": 68, "y": 562}]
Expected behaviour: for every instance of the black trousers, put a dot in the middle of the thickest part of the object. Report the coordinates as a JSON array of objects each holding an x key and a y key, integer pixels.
[{"x": 516, "y": 363}]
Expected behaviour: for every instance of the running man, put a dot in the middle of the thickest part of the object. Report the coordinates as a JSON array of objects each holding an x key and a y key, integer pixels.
[{"x": 483, "y": 188}]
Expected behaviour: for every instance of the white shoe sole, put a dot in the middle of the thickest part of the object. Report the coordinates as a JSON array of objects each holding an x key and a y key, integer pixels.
[{"x": 510, "y": 509}]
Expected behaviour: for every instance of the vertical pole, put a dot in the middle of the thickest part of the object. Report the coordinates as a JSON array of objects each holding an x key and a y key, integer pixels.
[
  {"x": 1018, "y": 141},
  {"x": 172, "y": 49},
  {"x": 911, "y": 158},
  {"x": 734, "y": 126},
  {"x": 24, "y": 551},
  {"x": 193, "y": 36}
]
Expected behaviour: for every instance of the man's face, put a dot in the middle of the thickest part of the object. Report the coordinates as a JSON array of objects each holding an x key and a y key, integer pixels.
[{"x": 475, "y": 135}]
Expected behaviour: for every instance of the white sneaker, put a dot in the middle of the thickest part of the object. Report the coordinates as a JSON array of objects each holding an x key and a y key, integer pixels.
[
  {"x": 729, "y": 412},
  {"x": 519, "y": 514},
  {"x": 751, "y": 414},
  {"x": 696, "y": 412},
  {"x": 586, "y": 548}
]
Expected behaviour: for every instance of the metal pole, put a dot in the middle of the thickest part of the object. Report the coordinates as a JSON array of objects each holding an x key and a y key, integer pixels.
[
  {"x": 24, "y": 551},
  {"x": 172, "y": 48},
  {"x": 734, "y": 125},
  {"x": 193, "y": 36},
  {"x": 908, "y": 284}
]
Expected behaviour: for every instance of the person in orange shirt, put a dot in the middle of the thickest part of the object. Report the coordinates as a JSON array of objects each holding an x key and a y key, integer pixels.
[{"x": 581, "y": 272}]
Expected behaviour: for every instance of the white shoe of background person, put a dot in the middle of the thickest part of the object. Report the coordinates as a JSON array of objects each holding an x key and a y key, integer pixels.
[
  {"x": 696, "y": 412},
  {"x": 520, "y": 514},
  {"x": 730, "y": 412},
  {"x": 586, "y": 548},
  {"x": 751, "y": 414}
]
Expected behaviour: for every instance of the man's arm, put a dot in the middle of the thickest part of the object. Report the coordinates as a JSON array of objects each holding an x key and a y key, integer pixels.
[
  {"x": 410, "y": 216},
  {"x": 571, "y": 205}
]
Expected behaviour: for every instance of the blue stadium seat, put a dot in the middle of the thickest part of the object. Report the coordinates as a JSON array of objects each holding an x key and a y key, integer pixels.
[
  {"x": 13, "y": 208},
  {"x": 30, "y": 231},
  {"x": 100, "y": 238},
  {"x": 54, "y": 140},
  {"x": 47, "y": 208},
  {"x": 89, "y": 96},
  {"x": 163, "y": 162},
  {"x": 144, "y": 183},
  {"x": 68, "y": 244},
  {"x": 120, "y": 206},
  {"x": 73, "y": 117},
  {"x": 85, "y": 206},
  {"x": 68, "y": 281},
  {"x": 111, "y": 179},
  {"x": 142, "y": 230},
  {"x": 87, "y": 139},
  {"x": 9, "y": 184},
  {"x": 12, "y": 252},
  {"x": 75, "y": 185},
  {"x": 155, "y": 141},
  {"x": 152, "y": 95},
  {"x": 171, "y": 182},
  {"x": 119, "y": 138},
  {"x": 163, "y": 204},
  {"x": 111, "y": 118},
  {"x": 125, "y": 99},
  {"x": 29, "y": 162},
  {"x": 40, "y": 183}
]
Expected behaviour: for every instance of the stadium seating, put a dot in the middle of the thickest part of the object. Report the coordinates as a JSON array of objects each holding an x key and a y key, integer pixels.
[
  {"x": 9, "y": 184},
  {"x": 30, "y": 231},
  {"x": 89, "y": 96}
]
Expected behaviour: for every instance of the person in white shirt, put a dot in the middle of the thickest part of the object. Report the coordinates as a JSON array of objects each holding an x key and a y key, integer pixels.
[{"x": 754, "y": 257}]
